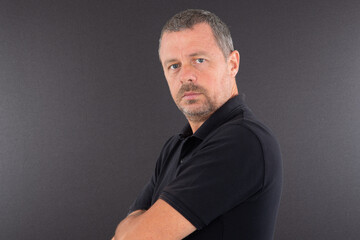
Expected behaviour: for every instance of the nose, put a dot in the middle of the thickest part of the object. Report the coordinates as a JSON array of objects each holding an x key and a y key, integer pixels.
[{"x": 187, "y": 74}]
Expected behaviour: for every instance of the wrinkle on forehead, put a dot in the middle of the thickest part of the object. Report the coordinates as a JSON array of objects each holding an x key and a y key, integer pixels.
[{"x": 187, "y": 42}]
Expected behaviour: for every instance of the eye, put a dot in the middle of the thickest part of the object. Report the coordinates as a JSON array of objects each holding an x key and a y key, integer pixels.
[
  {"x": 174, "y": 66},
  {"x": 200, "y": 60}
]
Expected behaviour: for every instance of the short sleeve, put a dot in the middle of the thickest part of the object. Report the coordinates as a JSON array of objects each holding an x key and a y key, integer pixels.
[{"x": 227, "y": 169}]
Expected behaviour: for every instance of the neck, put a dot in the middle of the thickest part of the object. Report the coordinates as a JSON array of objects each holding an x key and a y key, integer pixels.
[{"x": 195, "y": 125}]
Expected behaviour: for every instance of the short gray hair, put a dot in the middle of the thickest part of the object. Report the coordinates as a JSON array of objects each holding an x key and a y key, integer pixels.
[{"x": 188, "y": 18}]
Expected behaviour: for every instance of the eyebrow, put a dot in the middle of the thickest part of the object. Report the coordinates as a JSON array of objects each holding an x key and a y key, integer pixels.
[
  {"x": 200, "y": 53},
  {"x": 169, "y": 61},
  {"x": 197, "y": 53}
]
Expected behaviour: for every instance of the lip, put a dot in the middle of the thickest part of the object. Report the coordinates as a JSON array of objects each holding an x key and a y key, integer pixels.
[{"x": 191, "y": 95}]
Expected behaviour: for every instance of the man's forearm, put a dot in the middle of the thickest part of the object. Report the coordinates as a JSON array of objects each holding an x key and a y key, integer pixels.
[{"x": 127, "y": 224}]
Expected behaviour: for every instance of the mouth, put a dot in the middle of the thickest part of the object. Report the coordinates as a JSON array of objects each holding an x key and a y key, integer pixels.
[{"x": 191, "y": 95}]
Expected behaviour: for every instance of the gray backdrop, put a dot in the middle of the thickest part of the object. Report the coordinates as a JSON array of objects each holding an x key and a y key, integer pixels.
[{"x": 85, "y": 109}]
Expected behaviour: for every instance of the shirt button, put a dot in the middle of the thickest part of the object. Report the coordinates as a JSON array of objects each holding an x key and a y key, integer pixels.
[{"x": 181, "y": 161}]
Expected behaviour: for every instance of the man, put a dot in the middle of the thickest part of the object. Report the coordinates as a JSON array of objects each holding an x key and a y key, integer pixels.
[{"x": 221, "y": 177}]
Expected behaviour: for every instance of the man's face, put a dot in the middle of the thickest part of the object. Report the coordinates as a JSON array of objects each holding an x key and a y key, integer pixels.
[{"x": 198, "y": 75}]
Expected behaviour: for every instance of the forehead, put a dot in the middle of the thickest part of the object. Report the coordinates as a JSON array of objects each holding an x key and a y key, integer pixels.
[{"x": 199, "y": 38}]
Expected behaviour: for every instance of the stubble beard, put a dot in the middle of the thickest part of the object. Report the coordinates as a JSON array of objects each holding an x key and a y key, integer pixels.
[{"x": 198, "y": 114}]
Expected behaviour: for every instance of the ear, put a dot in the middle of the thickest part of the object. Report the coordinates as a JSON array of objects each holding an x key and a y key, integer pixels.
[{"x": 234, "y": 62}]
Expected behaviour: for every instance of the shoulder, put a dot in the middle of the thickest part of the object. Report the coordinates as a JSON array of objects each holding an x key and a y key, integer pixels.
[
  {"x": 232, "y": 133},
  {"x": 242, "y": 137},
  {"x": 244, "y": 130}
]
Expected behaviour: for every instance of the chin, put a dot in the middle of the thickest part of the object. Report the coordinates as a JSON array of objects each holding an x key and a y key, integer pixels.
[
  {"x": 196, "y": 111},
  {"x": 196, "y": 108}
]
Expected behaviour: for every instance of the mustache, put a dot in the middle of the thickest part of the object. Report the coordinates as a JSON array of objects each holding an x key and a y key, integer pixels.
[{"x": 189, "y": 87}]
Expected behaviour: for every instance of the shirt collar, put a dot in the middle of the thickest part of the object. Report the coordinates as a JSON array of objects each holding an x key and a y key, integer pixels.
[{"x": 226, "y": 111}]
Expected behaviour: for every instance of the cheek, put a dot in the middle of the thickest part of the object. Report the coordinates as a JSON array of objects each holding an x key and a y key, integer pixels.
[
  {"x": 173, "y": 88},
  {"x": 219, "y": 86}
]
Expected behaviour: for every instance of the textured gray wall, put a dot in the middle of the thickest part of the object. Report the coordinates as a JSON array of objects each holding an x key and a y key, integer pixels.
[{"x": 85, "y": 109}]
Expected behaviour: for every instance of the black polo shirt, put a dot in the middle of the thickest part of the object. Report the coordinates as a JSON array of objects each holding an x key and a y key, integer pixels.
[{"x": 226, "y": 178}]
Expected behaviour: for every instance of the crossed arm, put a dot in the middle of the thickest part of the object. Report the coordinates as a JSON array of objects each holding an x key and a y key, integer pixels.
[{"x": 161, "y": 221}]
